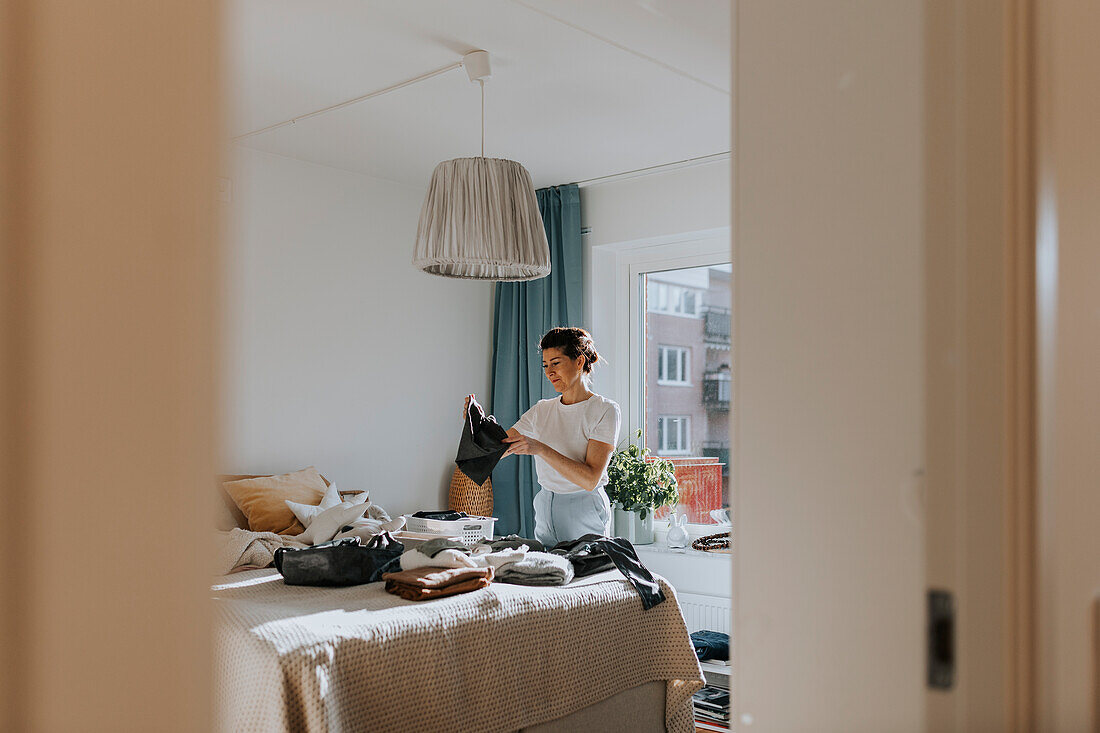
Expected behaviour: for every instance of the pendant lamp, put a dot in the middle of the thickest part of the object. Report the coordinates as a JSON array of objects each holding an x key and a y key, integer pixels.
[{"x": 480, "y": 219}]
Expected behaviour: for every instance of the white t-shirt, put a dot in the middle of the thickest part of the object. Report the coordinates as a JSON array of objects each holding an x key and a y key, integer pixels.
[{"x": 567, "y": 429}]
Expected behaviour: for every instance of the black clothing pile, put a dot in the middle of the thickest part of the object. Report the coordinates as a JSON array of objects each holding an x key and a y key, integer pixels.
[
  {"x": 338, "y": 562},
  {"x": 593, "y": 553},
  {"x": 446, "y": 515},
  {"x": 482, "y": 444}
]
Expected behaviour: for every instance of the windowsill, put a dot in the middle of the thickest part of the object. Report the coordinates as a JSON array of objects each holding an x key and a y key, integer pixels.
[
  {"x": 667, "y": 383},
  {"x": 659, "y": 545},
  {"x": 660, "y": 548}
]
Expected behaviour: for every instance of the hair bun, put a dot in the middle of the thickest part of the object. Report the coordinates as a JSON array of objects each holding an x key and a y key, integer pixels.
[{"x": 573, "y": 342}]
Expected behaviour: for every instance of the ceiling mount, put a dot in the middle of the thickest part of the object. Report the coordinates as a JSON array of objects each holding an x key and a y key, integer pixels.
[{"x": 476, "y": 64}]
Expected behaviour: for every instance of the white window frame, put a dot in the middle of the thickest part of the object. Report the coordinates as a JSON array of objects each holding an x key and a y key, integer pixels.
[
  {"x": 685, "y": 366},
  {"x": 672, "y": 293},
  {"x": 684, "y": 438},
  {"x": 617, "y": 310}
]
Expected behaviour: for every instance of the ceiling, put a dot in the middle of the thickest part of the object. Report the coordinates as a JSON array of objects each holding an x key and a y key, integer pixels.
[{"x": 580, "y": 89}]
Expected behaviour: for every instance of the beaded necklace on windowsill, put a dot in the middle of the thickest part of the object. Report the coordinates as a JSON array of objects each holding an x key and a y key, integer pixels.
[{"x": 713, "y": 543}]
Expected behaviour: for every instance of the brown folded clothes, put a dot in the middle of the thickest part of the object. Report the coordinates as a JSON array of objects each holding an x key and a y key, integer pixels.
[{"x": 424, "y": 584}]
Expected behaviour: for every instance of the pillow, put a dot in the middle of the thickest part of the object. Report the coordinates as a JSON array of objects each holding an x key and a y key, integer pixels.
[
  {"x": 376, "y": 512},
  {"x": 262, "y": 500},
  {"x": 306, "y": 512},
  {"x": 326, "y": 524}
]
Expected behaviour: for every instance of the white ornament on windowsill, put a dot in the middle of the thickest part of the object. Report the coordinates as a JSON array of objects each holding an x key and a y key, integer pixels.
[
  {"x": 677, "y": 531},
  {"x": 721, "y": 517}
]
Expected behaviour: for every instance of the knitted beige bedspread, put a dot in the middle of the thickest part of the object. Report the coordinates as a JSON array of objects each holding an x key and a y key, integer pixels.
[{"x": 497, "y": 659}]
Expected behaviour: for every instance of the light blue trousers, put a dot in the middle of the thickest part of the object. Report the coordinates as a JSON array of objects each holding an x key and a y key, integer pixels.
[{"x": 561, "y": 517}]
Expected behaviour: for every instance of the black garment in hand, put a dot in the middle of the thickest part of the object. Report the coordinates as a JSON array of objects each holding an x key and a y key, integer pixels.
[
  {"x": 339, "y": 562},
  {"x": 711, "y": 645},
  {"x": 593, "y": 553},
  {"x": 482, "y": 444}
]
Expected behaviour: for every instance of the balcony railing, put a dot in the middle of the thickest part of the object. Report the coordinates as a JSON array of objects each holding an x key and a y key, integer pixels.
[
  {"x": 699, "y": 480},
  {"x": 716, "y": 326},
  {"x": 716, "y": 390},
  {"x": 719, "y": 450}
]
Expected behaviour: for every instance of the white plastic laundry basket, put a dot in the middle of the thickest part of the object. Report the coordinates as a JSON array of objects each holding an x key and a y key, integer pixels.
[{"x": 470, "y": 530}]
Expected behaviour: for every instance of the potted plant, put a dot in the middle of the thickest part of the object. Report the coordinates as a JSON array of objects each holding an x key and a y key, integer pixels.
[{"x": 638, "y": 484}]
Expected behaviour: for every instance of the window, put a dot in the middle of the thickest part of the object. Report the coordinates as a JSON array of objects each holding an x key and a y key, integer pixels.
[
  {"x": 673, "y": 299},
  {"x": 686, "y": 419},
  {"x": 673, "y": 435},
  {"x": 673, "y": 365}
]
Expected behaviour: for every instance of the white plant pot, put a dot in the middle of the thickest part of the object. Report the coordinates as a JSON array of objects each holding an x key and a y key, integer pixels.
[{"x": 631, "y": 527}]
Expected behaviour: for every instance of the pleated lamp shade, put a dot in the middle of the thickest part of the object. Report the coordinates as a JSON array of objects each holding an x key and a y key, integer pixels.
[{"x": 481, "y": 221}]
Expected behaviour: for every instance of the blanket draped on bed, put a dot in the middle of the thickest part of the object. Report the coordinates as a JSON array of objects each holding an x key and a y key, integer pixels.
[
  {"x": 498, "y": 659},
  {"x": 239, "y": 548}
]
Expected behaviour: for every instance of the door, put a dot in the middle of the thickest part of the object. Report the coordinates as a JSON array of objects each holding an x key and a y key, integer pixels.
[{"x": 873, "y": 310}]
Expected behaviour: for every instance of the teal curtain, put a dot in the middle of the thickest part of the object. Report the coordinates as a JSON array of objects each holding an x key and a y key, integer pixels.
[{"x": 524, "y": 312}]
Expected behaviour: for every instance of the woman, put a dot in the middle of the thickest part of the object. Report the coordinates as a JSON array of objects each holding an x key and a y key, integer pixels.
[{"x": 571, "y": 438}]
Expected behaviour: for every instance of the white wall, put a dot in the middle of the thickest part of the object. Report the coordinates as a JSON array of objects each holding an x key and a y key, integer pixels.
[
  {"x": 671, "y": 202},
  {"x": 626, "y": 216},
  {"x": 340, "y": 353}
]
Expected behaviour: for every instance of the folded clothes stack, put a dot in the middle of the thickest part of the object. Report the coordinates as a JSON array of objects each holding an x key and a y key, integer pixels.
[
  {"x": 446, "y": 553},
  {"x": 424, "y": 584},
  {"x": 537, "y": 568},
  {"x": 509, "y": 558}
]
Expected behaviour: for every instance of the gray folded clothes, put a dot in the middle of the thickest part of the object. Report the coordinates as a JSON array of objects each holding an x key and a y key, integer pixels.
[
  {"x": 512, "y": 542},
  {"x": 431, "y": 548},
  {"x": 537, "y": 568}
]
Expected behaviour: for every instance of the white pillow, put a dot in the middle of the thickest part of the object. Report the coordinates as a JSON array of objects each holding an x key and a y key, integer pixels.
[
  {"x": 307, "y": 512},
  {"x": 376, "y": 512},
  {"x": 325, "y": 525}
]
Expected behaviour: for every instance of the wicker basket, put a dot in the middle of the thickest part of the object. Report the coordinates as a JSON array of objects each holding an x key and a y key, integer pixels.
[{"x": 466, "y": 496}]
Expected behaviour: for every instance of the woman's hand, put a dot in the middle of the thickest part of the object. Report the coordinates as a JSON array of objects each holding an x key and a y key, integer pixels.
[{"x": 521, "y": 445}]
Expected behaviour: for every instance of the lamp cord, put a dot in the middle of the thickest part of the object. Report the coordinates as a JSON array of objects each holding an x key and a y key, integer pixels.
[{"x": 481, "y": 82}]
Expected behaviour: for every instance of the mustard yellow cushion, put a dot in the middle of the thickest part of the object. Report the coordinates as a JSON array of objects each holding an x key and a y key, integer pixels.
[{"x": 263, "y": 499}]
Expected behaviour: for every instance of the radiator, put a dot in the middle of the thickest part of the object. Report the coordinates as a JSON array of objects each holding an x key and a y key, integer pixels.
[{"x": 705, "y": 612}]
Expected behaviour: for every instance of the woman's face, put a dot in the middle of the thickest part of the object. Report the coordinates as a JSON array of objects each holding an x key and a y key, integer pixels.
[{"x": 562, "y": 371}]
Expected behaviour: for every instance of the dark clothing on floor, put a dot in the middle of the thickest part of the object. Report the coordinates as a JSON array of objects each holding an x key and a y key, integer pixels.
[
  {"x": 592, "y": 553},
  {"x": 711, "y": 645},
  {"x": 482, "y": 444}
]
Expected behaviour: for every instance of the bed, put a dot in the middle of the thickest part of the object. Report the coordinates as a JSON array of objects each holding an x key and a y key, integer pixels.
[{"x": 505, "y": 658}]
